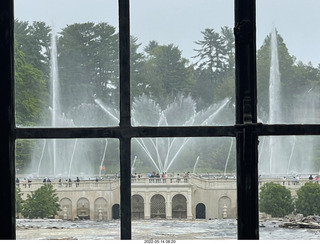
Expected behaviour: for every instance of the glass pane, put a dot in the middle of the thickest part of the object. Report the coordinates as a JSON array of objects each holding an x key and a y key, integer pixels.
[
  {"x": 59, "y": 182},
  {"x": 182, "y": 62},
  {"x": 289, "y": 172},
  {"x": 183, "y": 188},
  {"x": 288, "y": 61},
  {"x": 66, "y": 63}
]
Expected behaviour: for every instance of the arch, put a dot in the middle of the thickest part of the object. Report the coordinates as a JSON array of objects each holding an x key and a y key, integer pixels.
[
  {"x": 225, "y": 208},
  {"x": 137, "y": 207},
  {"x": 100, "y": 209},
  {"x": 83, "y": 208},
  {"x": 66, "y": 208},
  {"x": 116, "y": 211},
  {"x": 200, "y": 211},
  {"x": 158, "y": 207},
  {"x": 179, "y": 206}
]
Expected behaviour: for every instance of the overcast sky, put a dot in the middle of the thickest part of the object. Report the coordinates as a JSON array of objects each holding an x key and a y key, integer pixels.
[{"x": 181, "y": 21}]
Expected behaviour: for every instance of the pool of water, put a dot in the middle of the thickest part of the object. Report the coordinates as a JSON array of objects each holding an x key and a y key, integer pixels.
[{"x": 153, "y": 229}]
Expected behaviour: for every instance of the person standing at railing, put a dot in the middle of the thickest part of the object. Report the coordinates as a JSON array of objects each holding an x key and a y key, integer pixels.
[
  {"x": 77, "y": 181},
  {"x": 29, "y": 182},
  {"x": 316, "y": 179},
  {"x": 70, "y": 182},
  {"x": 284, "y": 180}
]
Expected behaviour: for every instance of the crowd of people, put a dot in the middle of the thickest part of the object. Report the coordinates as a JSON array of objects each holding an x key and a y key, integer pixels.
[{"x": 295, "y": 180}]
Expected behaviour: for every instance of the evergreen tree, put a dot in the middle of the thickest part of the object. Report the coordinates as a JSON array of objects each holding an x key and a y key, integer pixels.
[
  {"x": 308, "y": 199},
  {"x": 88, "y": 63},
  {"x": 166, "y": 72},
  {"x": 34, "y": 41},
  {"x": 42, "y": 203},
  {"x": 276, "y": 200},
  {"x": 212, "y": 54},
  {"x": 31, "y": 92}
]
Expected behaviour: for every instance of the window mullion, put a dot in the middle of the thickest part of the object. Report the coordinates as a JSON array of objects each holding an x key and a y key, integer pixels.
[
  {"x": 7, "y": 179},
  {"x": 246, "y": 115},
  {"x": 125, "y": 140}
]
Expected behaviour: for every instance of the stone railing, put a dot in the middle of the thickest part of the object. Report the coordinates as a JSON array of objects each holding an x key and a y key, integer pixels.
[
  {"x": 71, "y": 186},
  {"x": 155, "y": 180}
]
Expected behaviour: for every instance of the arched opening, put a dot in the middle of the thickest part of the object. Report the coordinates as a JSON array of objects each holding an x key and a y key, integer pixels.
[
  {"x": 100, "y": 209},
  {"x": 137, "y": 207},
  {"x": 179, "y": 207},
  {"x": 158, "y": 207},
  {"x": 200, "y": 211},
  {"x": 116, "y": 211},
  {"x": 66, "y": 209},
  {"x": 83, "y": 208}
]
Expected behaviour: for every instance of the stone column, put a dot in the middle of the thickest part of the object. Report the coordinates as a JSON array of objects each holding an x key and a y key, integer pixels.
[
  {"x": 168, "y": 206},
  {"x": 189, "y": 206},
  {"x": 147, "y": 206}
]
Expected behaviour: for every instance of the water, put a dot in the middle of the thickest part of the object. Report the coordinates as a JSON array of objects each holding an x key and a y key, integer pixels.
[
  {"x": 223, "y": 229},
  {"x": 290, "y": 155}
]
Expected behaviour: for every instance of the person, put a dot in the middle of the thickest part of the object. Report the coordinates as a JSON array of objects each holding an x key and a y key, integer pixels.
[
  {"x": 317, "y": 179},
  {"x": 60, "y": 182},
  {"x": 97, "y": 179},
  {"x": 284, "y": 180},
  {"x": 29, "y": 182},
  {"x": 77, "y": 181},
  {"x": 310, "y": 177},
  {"x": 293, "y": 180},
  {"x": 44, "y": 180},
  {"x": 297, "y": 179},
  {"x": 17, "y": 182},
  {"x": 70, "y": 182}
]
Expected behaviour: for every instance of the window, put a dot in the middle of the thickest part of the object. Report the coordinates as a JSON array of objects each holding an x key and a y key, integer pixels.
[{"x": 246, "y": 129}]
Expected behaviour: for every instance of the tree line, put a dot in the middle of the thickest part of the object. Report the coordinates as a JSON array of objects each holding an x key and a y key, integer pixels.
[{"x": 88, "y": 68}]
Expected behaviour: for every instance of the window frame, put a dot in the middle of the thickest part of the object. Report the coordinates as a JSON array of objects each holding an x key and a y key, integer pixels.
[{"x": 246, "y": 130}]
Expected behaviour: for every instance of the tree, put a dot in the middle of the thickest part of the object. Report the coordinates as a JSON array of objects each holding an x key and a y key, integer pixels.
[
  {"x": 276, "y": 200},
  {"x": 215, "y": 65},
  {"x": 34, "y": 41},
  {"x": 88, "y": 63},
  {"x": 166, "y": 72},
  {"x": 31, "y": 91},
  {"x": 212, "y": 54},
  {"x": 42, "y": 203},
  {"x": 308, "y": 199},
  {"x": 19, "y": 201}
]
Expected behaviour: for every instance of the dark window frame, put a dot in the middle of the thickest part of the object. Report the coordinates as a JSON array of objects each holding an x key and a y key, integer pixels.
[{"x": 246, "y": 130}]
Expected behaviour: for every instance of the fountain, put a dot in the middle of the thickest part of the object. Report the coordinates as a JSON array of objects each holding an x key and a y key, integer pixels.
[
  {"x": 78, "y": 157},
  {"x": 162, "y": 153},
  {"x": 279, "y": 155}
]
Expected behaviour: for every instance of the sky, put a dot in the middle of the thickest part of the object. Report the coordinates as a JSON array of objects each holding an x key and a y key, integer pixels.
[{"x": 181, "y": 21}]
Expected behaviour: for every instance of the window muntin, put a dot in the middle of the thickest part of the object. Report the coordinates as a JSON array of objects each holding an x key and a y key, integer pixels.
[{"x": 269, "y": 130}]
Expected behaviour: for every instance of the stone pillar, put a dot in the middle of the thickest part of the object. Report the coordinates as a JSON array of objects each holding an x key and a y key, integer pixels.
[
  {"x": 147, "y": 206},
  {"x": 189, "y": 206},
  {"x": 168, "y": 206}
]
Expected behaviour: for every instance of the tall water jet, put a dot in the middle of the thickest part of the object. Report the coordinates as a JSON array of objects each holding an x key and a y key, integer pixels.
[
  {"x": 275, "y": 144},
  {"x": 55, "y": 99}
]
